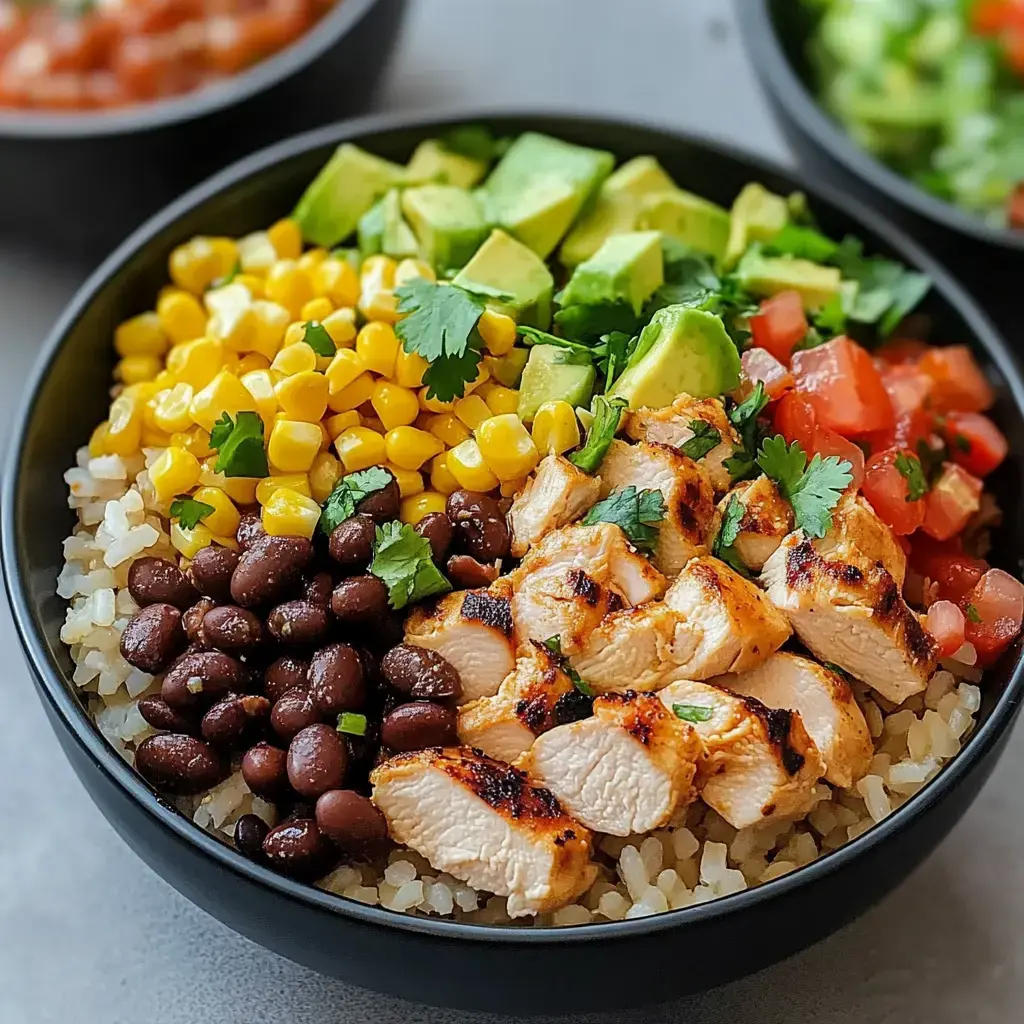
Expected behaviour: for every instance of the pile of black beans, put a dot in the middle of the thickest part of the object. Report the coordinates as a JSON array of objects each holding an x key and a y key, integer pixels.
[{"x": 285, "y": 657}]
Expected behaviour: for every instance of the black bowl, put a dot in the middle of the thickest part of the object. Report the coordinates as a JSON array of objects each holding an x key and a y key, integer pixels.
[
  {"x": 76, "y": 184},
  {"x": 776, "y": 33},
  {"x": 430, "y": 960}
]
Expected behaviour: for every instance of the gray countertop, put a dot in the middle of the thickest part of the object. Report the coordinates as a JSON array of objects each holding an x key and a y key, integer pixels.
[{"x": 88, "y": 935}]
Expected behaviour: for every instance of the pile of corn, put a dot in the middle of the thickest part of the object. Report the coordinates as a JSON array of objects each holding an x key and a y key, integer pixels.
[{"x": 218, "y": 343}]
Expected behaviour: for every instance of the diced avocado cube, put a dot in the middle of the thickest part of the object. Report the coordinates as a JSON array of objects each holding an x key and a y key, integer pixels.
[
  {"x": 370, "y": 230},
  {"x": 539, "y": 187},
  {"x": 757, "y": 216},
  {"x": 694, "y": 221},
  {"x": 347, "y": 186},
  {"x": 383, "y": 229},
  {"x": 628, "y": 268},
  {"x": 447, "y": 223},
  {"x": 516, "y": 278},
  {"x": 765, "y": 276},
  {"x": 551, "y": 374},
  {"x": 433, "y": 163},
  {"x": 508, "y": 369},
  {"x": 682, "y": 350}
]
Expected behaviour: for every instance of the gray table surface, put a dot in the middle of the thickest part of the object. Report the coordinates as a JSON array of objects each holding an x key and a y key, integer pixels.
[{"x": 89, "y": 935}]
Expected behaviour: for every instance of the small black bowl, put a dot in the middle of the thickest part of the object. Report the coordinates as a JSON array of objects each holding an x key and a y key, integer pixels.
[
  {"x": 76, "y": 184},
  {"x": 429, "y": 960},
  {"x": 776, "y": 33}
]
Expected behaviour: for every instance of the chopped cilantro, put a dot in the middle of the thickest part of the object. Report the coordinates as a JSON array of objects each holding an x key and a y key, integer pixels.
[
  {"x": 802, "y": 243},
  {"x": 637, "y": 513},
  {"x": 962, "y": 444},
  {"x": 705, "y": 439},
  {"x": 829, "y": 322},
  {"x": 690, "y": 279},
  {"x": 352, "y": 723},
  {"x": 607, "y": 413},
  {"x": 348, "y": 492},
  {"x": 239, "y": 446},
  {"x": 612, "y": 353},
  {"x": 531, "y": 336},
  {"x": 909, "y": 467},
  {"x": 402, "y": 559},
  {"x": 189, "y": 512},
  {"x": 474, "y": 141},
  {"x": 588, "y": 323},
  {"x": 972, "y": 614},
  {"x": 694, "y": 713},
  {"x": 722, "y": 545},
  {"x": 744, "y": 418},
  {"x": 837, "y": 669},
  {"x": 554, "y": 645},
  {"x": 317, "y": 338}
]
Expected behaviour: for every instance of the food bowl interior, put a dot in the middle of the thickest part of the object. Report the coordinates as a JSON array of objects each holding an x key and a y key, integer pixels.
[{"x": 71, "y": 389}]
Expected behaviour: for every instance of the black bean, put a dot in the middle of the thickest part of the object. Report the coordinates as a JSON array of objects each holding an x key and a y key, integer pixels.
[
  {"x": 159, "y": 714},
  {"x": 360, "y": 599},
  {"x": 285, "y": 674},
  {"x": 436, "y": 528},
  {"x": 250, "y": 831},
  {"x": 192, "y": 620},
  {"x": 479, "y": 525},
  {"x": 421, "y": 673},
  {"x": 299, "y": 849},
  {"x": 250, "y": 530},
  {"x": 351, "y": 543},
  {"x": 230, "y": 628},
  {"x": 211, "y": 572},
  {"x": 384, "y": 504},
  {"x": 153, "y": 638},
  {"x": 352, "y": 822},
  {"x": 317, "y": 760},
  {"x": 292, "y": 712},
  {"x": 299, "y": 622},
  {"x": 227, "y": 722},
  {"x": 336, "y": 679},
  {"x": 418, "y": 725},
  {"x": 317, "y": 588},
  {"x": 179, "y": 763},
  {"x": 269, "y": 569},
  {"x": 467, "y": 573},
  {"x": 158, "y": 581},
  {"x": 200, "y": 678},
  {"x": 460, "y": 504},
  {"x": 265, "y": 771}
]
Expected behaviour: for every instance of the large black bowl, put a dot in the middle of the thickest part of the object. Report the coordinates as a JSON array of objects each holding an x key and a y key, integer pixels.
[
  {"x": 510, "y": 969},
  {"x": 776, "y": 34},
  {"x": 76, "y": 184}
]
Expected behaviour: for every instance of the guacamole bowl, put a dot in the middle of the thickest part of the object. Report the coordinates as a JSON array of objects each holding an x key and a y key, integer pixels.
[{"x": 423, "y": 958}]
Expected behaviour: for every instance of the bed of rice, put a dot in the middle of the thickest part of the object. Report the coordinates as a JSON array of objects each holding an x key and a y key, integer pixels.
[{"x": 698, "y": 858}]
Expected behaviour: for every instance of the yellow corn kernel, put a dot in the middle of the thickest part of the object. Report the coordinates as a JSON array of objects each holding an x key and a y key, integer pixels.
[
  {"x": 225, "y": 253},
  {"x": 433, "y": 404},
  {"x": 141, "y": 336},
  {"x": 251, "y": 362},
  {"x": 409, "y": 368},
  {"x": 196, "y": 362},
  {"x": 293, "y": 445},
  {"x": 344, "y": 368},
  {"x": 240, "y": 489},
  {"x": 341, "y": 326},
  {"x": 555, "y": 428},
  {"x": 509, "y": 488},
  {"x": 195, "y": 265},
  {"x": 124, "y": 425},
  {"x": 286, "y": 238},
  {"x": 498, "y": 331},
  {"x": 294, "y": 335},
  {"x": 256, "y": 255},
  {"x": 341, "y": 421},
  {"x": 482, "y": 376},
  {"x": 377, "y": 345},
  {"x": 376, "y": 283},
  {"x": 224, "y": 518},
  {"x": 395, "y": 406},
  {"x": 153, "y": 438},
  {"x": 260, "y": 384},
  {"x": 501, "y": 400},
  {"x": 309, "y": 261},
  {"x": 414, "y": 508},
  {"x": 441, "y": 478},
  {"x": 194, "y": 440},
  {"x": 144, "y": 391},
  {"x": 449, "y": 429},
  {"x": 472, "y": 410},
  {"x": 410, "y": 448},
  {"x": 372, "y": 422},
  {"x": 294, "y": 358},
  {"x": 316, "y": 309},
  {"x": 98, "y": 441},
  {"x": 224, "y": 394},
  {"x": 174, "y": 472},
  {"x": 353, "y": 396},
  {"x": 409, "y": 269},
  {"x": 289, "y": 286},
  {"x": 164, "y": 380},
  {"x": 291, "y": 481},
  {"x": 409, "y": 481},
  {"x": 303, "y": 396},
  {"x": 138, "y": 369},
  {"x": 181, "y": 316},
  {"x": 337, "y": 280},
  {"x": 323, "y": 476},
  {"x": 467, "y": 465},
  {"x": 171, "y": 412},
  {"x": 257, "y": 289},
  {"x": 290, "y": 514},
  {"x": 270, "y": 322},
  {"x": 507, "y": 447},
  {"x": 359, "y": 448},
  {"x": 190, "y": 542}
]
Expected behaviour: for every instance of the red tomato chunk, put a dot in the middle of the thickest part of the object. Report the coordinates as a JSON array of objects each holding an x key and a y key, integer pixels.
[
  {"x": 760, "y": 365},
  {"x": 953, "y": 499},
  {"x": 958, "y": 385},
  {"x": 975, "y": 442},
  {"x": 946, "y": 623},
  {"x": 994, "y": 611},
  {"x": 887, "y": 490},
  {"x": 780, "y": 326}
]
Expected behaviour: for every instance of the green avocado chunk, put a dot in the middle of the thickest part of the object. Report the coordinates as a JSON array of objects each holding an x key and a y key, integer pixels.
[
  {"x": 682, "y": 350},
  {"x": 346, "y": 187},
  {"x": 757, "y": 216},
  {"x": 383, "y": 229},
  {"x": 447, "y": 223},
  {"x": 514, "y": 278},
  {"x": 508, "y": 369},
  {"x": 431, "y": 162},
  {"x": 694, "y": 221},
  {"x": 629, "y": 268},
  {"x": 765, "y": 276},
  {"x": 550, "y": 375},
  {"x": 539, "y": 187}
]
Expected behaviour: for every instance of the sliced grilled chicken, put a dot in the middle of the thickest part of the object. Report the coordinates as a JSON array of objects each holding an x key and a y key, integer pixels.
[
  {"x": 761, "y": 763},
  {"x": 767, "y": 518},
  {"x": 825, "y": 702},
  {"x": 536, "y": 697},
  {"x": 673, "y": 426},
  {"x": 689, "y": 498},
  {"x": 851, "y": 613},
  {"x": 473, "y": 630},
  {"x": 557, "y": 494},
  {"x": 858, "y": 532},
  {"x": 629, "y": 768},
  {"x": 481, "y": 821}
]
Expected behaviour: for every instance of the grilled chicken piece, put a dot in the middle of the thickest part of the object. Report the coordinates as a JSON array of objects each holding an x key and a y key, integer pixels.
[
  {"x": 473, "y": 630},
  {"x": 826, "y": 705},
  {"x": 557, "y": 494},
  {"x": 627, "y": 769},
  {"x": 480, "y": 820},
  {"x": 767, "y": 518},
  {"x": 672, "y": 426},
  {"x": 536, "y": 697},
  {"x": 857, "y": 531},
  {"x": 851, "y": 613},
  {"x": 689, "y": 498},
  {"x": 572, "y": 579},
  {"x": 761, "y": 763}
]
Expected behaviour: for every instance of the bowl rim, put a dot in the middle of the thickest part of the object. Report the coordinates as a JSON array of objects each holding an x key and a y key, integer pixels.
[
  {"x": 777, "y": 74},
  {"x": 51, "y": 682},
  {"x": 16, "y": 123}
]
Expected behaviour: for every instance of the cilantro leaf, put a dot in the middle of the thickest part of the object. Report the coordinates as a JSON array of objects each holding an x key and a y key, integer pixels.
[
  {"x": 189, "y": 512},
  {"x": 636, "y": 513},
  {"x": 442, "y": 328},
  {"x": 910, "y": 469},
  {"x": 402, "y": 559},
  {"x": 812, "y": 490},
  {"x": 803, "y": 243},
  {"x": 612, "y": 353},
  {"x": 474, "y": 141},
  {"x": 837, "y": 669},
  {"x": 830, "y": 321},
  {"x": 317, "y": 338},
  {"x": 554, "y": 645},
  {"x": 582, "y": 354},
  {"x": 239, "y": 446},
  {"x": 607, "y": 413},
  {"x": 690, "y": 279},
  {"x": 744, "y": 418},
  {"x": 352, "y": 723},
  {"x": 705, "y": 439},
  {"x": 588, "y": 323},
  {"x": 722, "y": 545},
  {"x": 972, "y": 614},
  {"x": 693, "y": 712},
  {"x": 348, "y": 492}
]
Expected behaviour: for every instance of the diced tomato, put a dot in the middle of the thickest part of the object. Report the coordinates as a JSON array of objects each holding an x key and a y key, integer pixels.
[
  {"x": 1015, "y": 210},
  {"x": 796, "y": 420},
  {"x": 845, "y": 388},
  {"x": 901, "y": 351},
  {"x": 994, "y": 610},
  {"x": 828, "y": 442},
  {"x": 907, "y": 387},
  {"x": 954, "y": 498},
  {"x": 945, "y": 564},
  {"x": 958, "y": 385},
  {"x": 975, "y": 442},
  {"x": 990, "y": 17},
  {"x": 945, "y": 622},
  {"x": 781, "y": 325},
  {"x": 761, "y": 365},
  {"x": 886, "y": 488}
]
